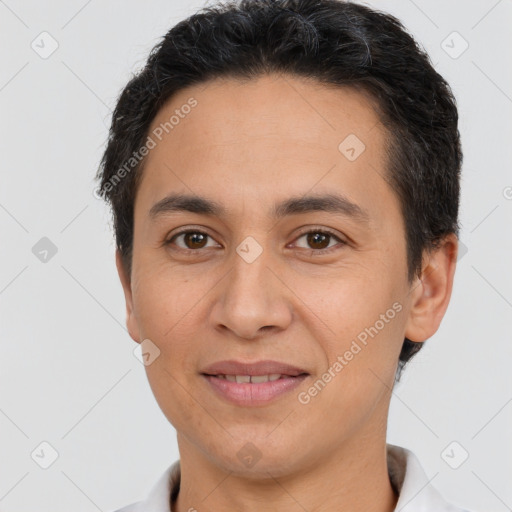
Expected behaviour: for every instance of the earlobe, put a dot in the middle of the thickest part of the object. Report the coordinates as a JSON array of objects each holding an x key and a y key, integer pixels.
[
  {"x": 430, "y": 293},
  {"x": 131, "y": 321}
]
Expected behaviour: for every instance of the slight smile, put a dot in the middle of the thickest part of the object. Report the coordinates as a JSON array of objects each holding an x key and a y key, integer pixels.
[{"x": 253, "y": 384}]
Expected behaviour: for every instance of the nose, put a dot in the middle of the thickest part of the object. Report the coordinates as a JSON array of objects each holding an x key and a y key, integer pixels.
[{"x": 252, "y": 300}]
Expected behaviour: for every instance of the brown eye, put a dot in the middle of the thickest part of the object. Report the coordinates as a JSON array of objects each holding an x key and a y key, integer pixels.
[
  {"x": 319, "y": 240},
  {"x": 196, "y": 240},
  {"x": 192, "y": 240}
]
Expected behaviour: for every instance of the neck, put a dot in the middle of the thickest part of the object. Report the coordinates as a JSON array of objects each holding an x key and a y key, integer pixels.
[{"x": 354, "y": 477}]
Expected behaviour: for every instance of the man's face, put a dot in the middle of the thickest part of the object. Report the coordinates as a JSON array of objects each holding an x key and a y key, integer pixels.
[{"x": 251, "y": 286}]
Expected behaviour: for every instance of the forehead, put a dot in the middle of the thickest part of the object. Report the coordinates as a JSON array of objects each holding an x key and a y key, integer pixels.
[
  {"x": 275, "y": 135},
  {"x": 231, "y": 110}
]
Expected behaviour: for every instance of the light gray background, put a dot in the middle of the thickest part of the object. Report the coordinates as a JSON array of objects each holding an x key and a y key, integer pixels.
[{"x": 68, "y": 375}]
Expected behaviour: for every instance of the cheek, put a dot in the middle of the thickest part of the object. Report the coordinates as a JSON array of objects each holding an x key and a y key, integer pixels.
[
  {"x": 165, "y": 313},
  {"x": 359, "y": 326},
  {"x": 362, "y": 360},
  {"x": 164, "y": 298},
  {"x": 350, "y": 305}
]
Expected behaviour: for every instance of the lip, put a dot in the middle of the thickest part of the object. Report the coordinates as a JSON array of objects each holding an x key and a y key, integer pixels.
[
  {"x": 253, "y": 394},
  {"x": 263, "y": 367}
]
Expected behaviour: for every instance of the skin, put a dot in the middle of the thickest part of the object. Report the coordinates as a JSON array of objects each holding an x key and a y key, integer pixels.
[{"x": 250, "y": 145}]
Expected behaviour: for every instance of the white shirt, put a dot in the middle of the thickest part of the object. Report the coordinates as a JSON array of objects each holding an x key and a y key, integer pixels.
[{"x": 416, "y": 494}]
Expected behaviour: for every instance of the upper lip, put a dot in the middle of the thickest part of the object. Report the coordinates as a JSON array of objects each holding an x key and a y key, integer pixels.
[{"x": 265, "y": 367}]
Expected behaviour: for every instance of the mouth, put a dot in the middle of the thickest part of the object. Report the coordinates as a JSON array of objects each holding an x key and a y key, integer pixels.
[
  {"x": 252, "y": 384},
  {"x": 255, "y": 379},
  {"x": 265, "y": 367}
]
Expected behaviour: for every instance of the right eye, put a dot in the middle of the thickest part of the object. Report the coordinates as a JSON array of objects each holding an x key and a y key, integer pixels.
[{"x": 192, "y": 239}]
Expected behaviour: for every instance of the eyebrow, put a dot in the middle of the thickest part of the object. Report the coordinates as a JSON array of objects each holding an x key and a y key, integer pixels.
[{"x": 332, "y": 203}]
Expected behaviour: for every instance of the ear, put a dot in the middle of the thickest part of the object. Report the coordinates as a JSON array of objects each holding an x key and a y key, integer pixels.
[
  {"x": 131, "y": 321},
  {"x": 431, "y": 291}
]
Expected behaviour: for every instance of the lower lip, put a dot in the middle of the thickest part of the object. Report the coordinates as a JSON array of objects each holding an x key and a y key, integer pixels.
[{"x": 248, "y": 394}]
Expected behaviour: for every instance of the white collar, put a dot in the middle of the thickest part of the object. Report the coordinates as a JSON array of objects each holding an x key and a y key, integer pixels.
[{"x": 416, "y": 493}]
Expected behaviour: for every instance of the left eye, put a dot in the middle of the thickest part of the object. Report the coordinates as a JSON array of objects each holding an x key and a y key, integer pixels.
[{"x": 318, "y": 240}]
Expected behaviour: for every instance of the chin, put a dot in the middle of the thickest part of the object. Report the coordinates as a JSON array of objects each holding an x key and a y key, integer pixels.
[{"x": 256, "y": 457}]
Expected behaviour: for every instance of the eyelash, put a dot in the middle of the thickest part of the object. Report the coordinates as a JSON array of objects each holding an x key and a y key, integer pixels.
[{"x": 322, "y": 231}]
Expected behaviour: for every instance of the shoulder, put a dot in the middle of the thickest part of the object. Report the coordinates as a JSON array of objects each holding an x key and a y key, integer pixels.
[
  {"x": 160, "y": 496},
  {"x": 415, "y": 490},
  {"x": 134, "y": 507}
]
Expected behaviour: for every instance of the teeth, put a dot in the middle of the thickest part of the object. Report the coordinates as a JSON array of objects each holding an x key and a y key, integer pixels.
[
  {"x": 254, "y": 379},
  {"x": 259, "y": 378}
]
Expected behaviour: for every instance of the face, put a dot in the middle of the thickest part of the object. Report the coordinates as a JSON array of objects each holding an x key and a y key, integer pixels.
[{"x": 279, "y": 272}]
